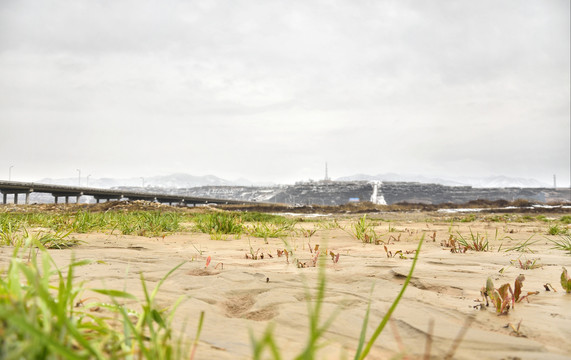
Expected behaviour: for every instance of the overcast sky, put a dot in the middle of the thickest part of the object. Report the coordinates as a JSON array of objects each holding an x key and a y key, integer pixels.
[{"x": 271, "y": 90}]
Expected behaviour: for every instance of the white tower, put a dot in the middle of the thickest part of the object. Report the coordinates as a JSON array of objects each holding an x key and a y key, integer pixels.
[{"x": 377, "y": 198}]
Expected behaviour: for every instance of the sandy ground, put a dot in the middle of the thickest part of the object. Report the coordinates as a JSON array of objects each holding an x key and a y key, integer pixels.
[{"x": 242, "y": 295}]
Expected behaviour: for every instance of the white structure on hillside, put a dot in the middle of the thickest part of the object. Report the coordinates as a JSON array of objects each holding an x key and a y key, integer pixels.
[{"x": 375, "y": 197}]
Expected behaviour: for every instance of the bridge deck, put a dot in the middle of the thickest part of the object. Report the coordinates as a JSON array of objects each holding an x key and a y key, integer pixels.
[{"x": 15, "y": 187}]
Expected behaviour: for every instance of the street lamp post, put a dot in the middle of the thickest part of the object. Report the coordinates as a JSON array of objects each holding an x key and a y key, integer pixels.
[
  {"x": 10, "y": 172},
  {"x": 79, "y": 177}
]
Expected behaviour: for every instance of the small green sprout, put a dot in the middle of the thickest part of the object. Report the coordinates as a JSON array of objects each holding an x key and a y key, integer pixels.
[
  {"x": 566, "y": 281},
  {"x": 504, "y": 295}
]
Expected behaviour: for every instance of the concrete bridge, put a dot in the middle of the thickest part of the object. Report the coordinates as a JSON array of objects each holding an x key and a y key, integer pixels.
[{"x": 59, "y": 191}]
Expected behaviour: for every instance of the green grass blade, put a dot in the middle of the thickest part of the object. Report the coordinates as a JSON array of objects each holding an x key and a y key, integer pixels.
[
  {"x": 198, "y": 331},
  {"x": 393, "y": 306},
  {"x": 156, "y": 290},
  {"x": 42, "y": 337},
  {"x": 363, "y": 334},
  {"x": 115, "y": 293}
]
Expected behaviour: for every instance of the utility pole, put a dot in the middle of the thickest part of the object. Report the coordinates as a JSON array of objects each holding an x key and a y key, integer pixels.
[{"x": 10, "y": 172}]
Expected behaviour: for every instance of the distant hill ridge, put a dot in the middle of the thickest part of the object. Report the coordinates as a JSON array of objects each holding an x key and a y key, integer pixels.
[
  {"x": 177, "y": 180},
  {"x": 485, "y": 182},
  {"x": 181, "y": 180}
]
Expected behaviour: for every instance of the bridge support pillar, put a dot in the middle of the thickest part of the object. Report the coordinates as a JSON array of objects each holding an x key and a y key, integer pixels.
[
  {"x": 67, "y": 199},
  {"x": 27, "y": 198},
  {"x": 15, "y": 198},
  {"x": 77, "y": 199},
  {"x": 5, "y": 198}
]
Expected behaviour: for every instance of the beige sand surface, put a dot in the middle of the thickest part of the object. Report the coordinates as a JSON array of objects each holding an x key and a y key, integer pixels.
[{"x": 238, "y": 297}]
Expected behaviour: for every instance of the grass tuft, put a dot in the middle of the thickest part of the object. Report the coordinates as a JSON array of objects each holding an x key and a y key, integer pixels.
[
  {"x": 219, "y": 223},
  {"x": 43, "y": 316},
  {"x": 475, "y": 242},
  {"x": 556, "y": 229},
  {"x": 564, "y": 243},
  {"x": 142, "y": 223},
  {"x": 364, "y": 230}
]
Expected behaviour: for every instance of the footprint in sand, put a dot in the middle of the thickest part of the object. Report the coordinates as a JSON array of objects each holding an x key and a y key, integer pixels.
[
  {"x": 202, "y": 272},
  {"x": 240, "y": 306}
]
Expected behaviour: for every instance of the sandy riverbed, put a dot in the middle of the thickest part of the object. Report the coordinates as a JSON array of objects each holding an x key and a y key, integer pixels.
[{"x": 242, "y": 295}]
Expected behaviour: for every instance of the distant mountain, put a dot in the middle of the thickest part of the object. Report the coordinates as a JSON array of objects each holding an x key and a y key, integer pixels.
[
  {"x": 178, "y": 180},
  {"x": 485, "y": 182},
  {"x": 504, "y": 182},
  {"x": 185, "y": 181},
  {"x": 398, "y": 177}
]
